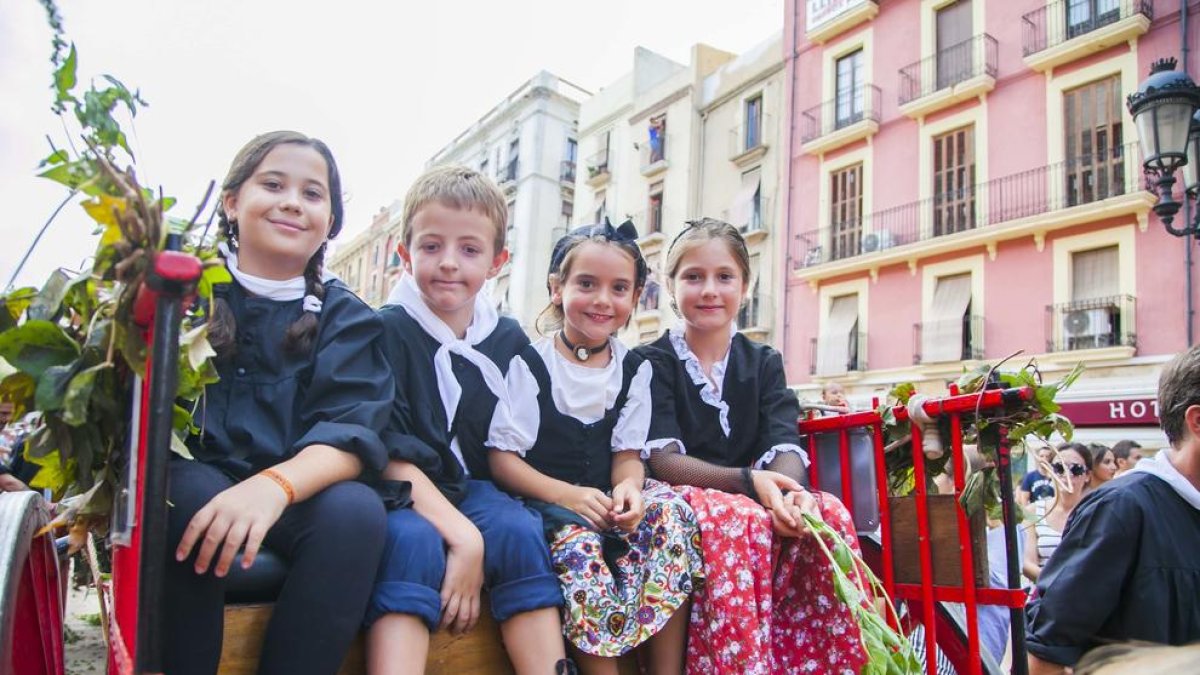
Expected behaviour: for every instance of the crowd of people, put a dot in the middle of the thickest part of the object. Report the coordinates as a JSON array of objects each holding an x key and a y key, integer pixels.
[{"x": 608, "y": 499}]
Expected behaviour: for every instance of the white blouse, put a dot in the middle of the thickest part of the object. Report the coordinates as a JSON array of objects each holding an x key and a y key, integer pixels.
[{"x": 578, "y": 391}]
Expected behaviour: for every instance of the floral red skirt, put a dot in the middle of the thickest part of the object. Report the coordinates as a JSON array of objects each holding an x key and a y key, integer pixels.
[{"x": 767, "y": 605}]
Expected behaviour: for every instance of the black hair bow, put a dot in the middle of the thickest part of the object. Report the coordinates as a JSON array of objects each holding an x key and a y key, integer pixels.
[{"x": 625, "y": 233}]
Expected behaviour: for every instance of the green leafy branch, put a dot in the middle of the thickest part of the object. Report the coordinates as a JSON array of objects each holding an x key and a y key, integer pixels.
[{"x": 74, "y": 343}]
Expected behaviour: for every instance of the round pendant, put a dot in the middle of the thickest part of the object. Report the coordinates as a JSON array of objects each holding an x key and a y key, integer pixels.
[{"x": 582, "y": 353}]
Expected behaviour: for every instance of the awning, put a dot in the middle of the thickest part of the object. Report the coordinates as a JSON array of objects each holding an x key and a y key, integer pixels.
[
  {"x": 942, "y": 335},
  {"x": 743, "y": 202},
  {"x": 833, "y": 347}
]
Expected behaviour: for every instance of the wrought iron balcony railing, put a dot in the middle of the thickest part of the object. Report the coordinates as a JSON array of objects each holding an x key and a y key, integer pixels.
[
  {"x": 1092, "y": 324},
  {"x": 597, "y": 164},
  {"x": 1060, "y": 21},
  {"x": 950, "y": 66},
  {"x": 1082, "y": 180},
  {"x": 566, "y": 172},
  {"x": 970, "y": 349},
  {"x": 840, "y": 112}
]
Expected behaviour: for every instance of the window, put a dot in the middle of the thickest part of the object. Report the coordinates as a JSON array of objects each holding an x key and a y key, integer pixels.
[
  {"x": 838, "y": 345},
  {"x": 845, "y": 219},
  {"x": 649, "y": 300},
  {"x": 954, "y": 46},
  {"x": 954, "y": 181},
  {"x": 658, "y": 138},
  {"x": 946, "y": 335},
  {"x": 753, "y": 127},
  {"x": 1093, "y": 317},
  {"x": 601, "y": 201},
  {"x": 746, "y": 210},
  {"x": 572, "y": 150},
  {"x": 654, "y": 214},
  {"x": 1095, "y": 166},
  {"x": 568, "y": 211},
  {"x": 748, "y": 316},
  {"x": 848, "y": 104},
  {"x": 514, "y": 157},
  {"x": 567, "y": 173},
  {"x": 1084, "y": 16}
]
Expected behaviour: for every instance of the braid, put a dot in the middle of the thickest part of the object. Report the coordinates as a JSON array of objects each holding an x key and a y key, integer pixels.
[
  {"x": 222, "y": 325},
  {"x": 302, "y": 334}
]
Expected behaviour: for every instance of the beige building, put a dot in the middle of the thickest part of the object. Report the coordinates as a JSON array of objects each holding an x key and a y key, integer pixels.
[
  {"x": 527, "y": 143},
  {"x": 669, "y": 142},
  {"x": 368, "y": 263}
]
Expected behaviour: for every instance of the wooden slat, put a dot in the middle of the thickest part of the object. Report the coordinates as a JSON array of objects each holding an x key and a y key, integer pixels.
[{"x": 480, "y": 651}]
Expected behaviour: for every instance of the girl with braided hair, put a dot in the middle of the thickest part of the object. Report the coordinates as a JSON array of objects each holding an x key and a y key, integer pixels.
[{"x": 294, "y": 420}]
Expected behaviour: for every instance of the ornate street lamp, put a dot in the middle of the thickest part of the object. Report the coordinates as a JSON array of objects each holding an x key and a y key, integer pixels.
[{"x": 1162, "y": 110}]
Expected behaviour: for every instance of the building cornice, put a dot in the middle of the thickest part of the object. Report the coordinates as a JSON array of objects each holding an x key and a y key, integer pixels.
[
  {"x": 735, "y": 92},
  {"x": 660, "y": 104}
]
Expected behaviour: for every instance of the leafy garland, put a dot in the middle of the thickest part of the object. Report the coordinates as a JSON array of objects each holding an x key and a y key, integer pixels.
[
  {"x": 1038, "y": 418},
  {"x": 73, "y": 342}
]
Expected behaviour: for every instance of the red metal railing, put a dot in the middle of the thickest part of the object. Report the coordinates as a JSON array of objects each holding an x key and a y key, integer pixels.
[{"x": 955, "y": 407}]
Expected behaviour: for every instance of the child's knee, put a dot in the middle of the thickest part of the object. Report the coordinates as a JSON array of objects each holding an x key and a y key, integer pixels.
[{"x": 351, "y": 511}]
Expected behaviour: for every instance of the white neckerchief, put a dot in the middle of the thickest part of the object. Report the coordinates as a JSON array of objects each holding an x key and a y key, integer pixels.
[
  {"x": 483, "y": 322},
  {"x": 710, "y": 390},
  {"x": 271, "y": 289},
  {"x": 1160, "y": 467}
]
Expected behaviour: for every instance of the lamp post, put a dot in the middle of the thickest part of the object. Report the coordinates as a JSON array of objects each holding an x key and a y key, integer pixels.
[{"x": 1164, "y": 109}]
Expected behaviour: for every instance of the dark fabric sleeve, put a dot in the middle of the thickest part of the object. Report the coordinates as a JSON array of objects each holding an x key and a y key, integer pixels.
[
  {"x": 1098, "y": 551},
  {"x": 778, "y": 409},
  {"x": 348, "y": 396},
  {"x": 676, "y": 468},
  {"x": 664, "y": 416},
  {"x": 791, "y": 465},
  {"x": 1027, "y": 481},
  {"x": 399, "y": 435}
]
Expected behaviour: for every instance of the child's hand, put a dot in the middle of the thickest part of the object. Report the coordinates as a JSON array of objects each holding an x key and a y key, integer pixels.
[
  {"x": 797, "y": 503},
  {"x": 588, "y": 502},
  {"x": 628, "y": 506},
  {"x": 239, "y": 514},
  {"x": 460, "y": 586},
  {"x": 769, "y": 487}
]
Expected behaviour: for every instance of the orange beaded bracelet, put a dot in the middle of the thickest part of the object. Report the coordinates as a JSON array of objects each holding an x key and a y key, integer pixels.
[{"x": 282, "y": 482}]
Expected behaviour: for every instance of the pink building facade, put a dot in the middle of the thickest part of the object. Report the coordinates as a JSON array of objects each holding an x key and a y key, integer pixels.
[{"x": 965, "y": 183}]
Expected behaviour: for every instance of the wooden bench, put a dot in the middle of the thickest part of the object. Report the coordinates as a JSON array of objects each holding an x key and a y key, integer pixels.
[{"x": 480, "y": 651}]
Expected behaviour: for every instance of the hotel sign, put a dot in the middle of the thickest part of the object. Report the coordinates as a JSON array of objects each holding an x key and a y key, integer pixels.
[
  {"x": 1114, "y": 412},
  {"x": 821, "y": 12}
]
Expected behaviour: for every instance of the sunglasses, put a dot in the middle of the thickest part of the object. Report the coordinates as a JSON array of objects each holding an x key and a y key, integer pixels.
[{"x": 1077, "y": 470}]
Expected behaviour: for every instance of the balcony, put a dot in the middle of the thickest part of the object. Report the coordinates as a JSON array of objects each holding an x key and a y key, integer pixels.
[
  {"x": 927, "y": 350},
  {"x": 827, "y": 28},
  {"x": 1096, "y": 323},
  {"x": 755, "y": 317},
  {"x": 1068, "y": 30},
  {"x": 748, "y": 142},
  {"x": 753, "y": 222},
  {"x": 954, "y": 74},
  {"x": 654, "y": 156},
  {"x": 856, "y": 360},
  {"x": 841, "y": 121},
  {"x": 597, "y": 169},
  {"x": 1030, "y": 203},
  {"x": 566, "y": 172},
  {"x": 506, "y": 175}
]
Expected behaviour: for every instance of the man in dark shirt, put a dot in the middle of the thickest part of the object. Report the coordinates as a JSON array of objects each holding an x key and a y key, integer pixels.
[
  {"x": 1128, "y": 567},
  {"x": 1037, "y": 485}
]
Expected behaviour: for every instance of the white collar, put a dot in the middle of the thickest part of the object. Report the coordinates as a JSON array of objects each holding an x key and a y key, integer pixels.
[
  {"x": 1160, "y": 467},
  {"x": 272, "y": 289},
  {"x": 710, "y": 388},
  {"x": 483, "y": 322}
]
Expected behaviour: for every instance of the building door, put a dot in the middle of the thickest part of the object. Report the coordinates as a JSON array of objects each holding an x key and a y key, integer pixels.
[
  {"x": 954, "y": 46},
  {"x": 954, "y": 181}
]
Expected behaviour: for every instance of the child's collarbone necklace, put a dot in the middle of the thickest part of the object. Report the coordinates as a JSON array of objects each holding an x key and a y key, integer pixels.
[{"x": 581, "y": 352}]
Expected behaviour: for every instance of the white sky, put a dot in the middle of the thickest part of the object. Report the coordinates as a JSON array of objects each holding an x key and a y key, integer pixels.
[{"x": 386, "y": 84}]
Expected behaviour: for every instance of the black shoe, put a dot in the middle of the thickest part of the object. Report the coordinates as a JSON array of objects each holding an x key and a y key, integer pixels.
[{"x": 565, "y": 667}]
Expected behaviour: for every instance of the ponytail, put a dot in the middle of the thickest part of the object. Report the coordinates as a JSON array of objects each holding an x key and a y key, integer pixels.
[{"x": 222, "y": 325}]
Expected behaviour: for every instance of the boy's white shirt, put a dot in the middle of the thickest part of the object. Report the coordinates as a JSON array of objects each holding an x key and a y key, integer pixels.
[{"x": 484, "y": 320}]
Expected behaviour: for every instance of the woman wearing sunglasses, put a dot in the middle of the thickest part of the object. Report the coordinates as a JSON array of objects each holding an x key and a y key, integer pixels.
[{"x": 1071, "y": 470}]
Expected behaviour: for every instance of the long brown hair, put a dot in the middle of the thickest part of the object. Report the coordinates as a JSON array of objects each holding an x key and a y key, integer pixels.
[{"x": 302, "y": 334}]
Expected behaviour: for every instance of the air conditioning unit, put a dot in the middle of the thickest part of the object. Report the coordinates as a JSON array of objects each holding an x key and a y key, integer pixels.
[
  {"x": 877, "y": 241},
  {"x": 1086, "y": 328}
]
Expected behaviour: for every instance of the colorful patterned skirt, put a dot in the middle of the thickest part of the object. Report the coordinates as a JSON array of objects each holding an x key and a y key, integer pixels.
[
  {"x": 622, "y": 587},
  {"x": 767, "y": 605}
]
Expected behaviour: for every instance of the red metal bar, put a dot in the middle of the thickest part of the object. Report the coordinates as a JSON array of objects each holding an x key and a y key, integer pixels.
[
  {"x": 844, "y": 458},
  {"x": 986, "y": 596},
  {"x": 992, "y": 398},
  {"x": 924, "y": 552},
  {"x": 965, "y": 549},
  {"x": 814, "y": 462},
  {"x": 885, "y": 511}
]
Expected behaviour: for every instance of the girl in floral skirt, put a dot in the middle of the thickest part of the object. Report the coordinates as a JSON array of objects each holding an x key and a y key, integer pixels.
[
  {"x": 724, "y": 431},
  {"x": 624, "y": 548}
]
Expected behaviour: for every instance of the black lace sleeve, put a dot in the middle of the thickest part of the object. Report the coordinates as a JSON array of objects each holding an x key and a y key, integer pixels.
[
  {"x": 674, "y": 467},
  {"x": 790, "y": 464}
]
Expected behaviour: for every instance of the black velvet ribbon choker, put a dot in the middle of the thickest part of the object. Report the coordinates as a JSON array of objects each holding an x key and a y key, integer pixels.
[{"x": 581, "y": 352}]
